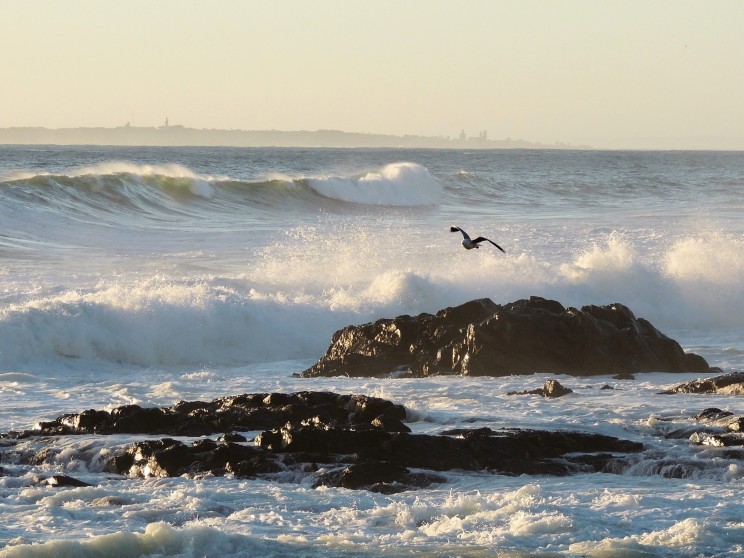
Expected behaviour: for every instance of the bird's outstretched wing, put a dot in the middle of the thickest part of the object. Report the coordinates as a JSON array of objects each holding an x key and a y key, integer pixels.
[
  {"x": 456, "y": 229},
  {"x": 481, "y": 239}
]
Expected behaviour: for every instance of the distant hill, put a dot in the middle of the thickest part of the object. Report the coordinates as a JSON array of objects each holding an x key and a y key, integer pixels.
[{"x": 182, "y": 136}]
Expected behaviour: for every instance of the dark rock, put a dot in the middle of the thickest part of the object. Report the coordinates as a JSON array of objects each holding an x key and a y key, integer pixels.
[
  {"x": 730, "y": 384},
  {"x": 348, "y": 441},
  {"x": 238, "y": 413},
  {"x": 551, "y": 389},
  {"x": 389, "y": 423},
  {"x": 85, "y": 421},
  {"x": 712, "y": 414},
  {"x": 61, "y": 481},
  {"x": 623, "y": 376},
  {"x": 171, "y": 458},
  {"x": 365, "y": 474},
  {"x": 481, "y": 338},
  {"x": 377, "y": 460},
  {"x": 378, "y": 476},
  {"x": 253, "y": 467}
]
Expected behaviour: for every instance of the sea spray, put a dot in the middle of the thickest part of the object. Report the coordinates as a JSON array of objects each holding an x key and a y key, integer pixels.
[{"x": 167, "y": 274}]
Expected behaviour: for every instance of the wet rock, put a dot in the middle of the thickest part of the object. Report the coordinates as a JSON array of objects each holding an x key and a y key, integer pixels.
[
  {"x": 61, "y": 481},
  {"x": 551, "y": 389},
  {"x": 728, "y": 384},
  {"x": 717, "y": 440},
  {"x": 237, "y": 413},
  {"x": 736, "y": 425},
  {"x": 364, "y": 475},
  {"x": 712, "y": 414},
  {"x": 347, "y": 441},
  {"x": 481, "y": 338},
  {"x": 723, "y": 419},
  {"x": 376, "y": 460},
  {"x": 171, "y": 458},
  {"x": 378, "y": 476}
]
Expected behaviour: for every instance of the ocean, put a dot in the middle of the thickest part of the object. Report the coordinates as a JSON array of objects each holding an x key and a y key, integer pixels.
[{"x": 153, "y": 275}]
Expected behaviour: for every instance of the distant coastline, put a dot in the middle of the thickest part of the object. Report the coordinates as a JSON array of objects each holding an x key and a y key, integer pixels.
[{"x": 182, "y": 136}]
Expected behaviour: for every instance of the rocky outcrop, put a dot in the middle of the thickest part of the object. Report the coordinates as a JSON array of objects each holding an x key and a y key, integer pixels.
[
  {"x": 245, "y": 412},
  {"x": 350, "y": 441},
  {"x": 482, "y": 338},
  {"x": 728, "y": 384}
]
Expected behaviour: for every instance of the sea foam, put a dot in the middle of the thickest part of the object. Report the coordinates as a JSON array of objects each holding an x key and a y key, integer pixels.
[
  {"x": 158, "y": 539},
  {"x": 402, "y": 184}
]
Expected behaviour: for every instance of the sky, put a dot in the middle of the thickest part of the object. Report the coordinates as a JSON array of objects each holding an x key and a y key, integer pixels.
[{"x": 663, "y": 74}]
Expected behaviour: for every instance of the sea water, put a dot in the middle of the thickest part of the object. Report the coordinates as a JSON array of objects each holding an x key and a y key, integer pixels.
[{"x": 153, "y": 275}]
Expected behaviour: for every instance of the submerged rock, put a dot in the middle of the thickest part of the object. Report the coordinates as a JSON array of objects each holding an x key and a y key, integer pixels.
[
  {"x": 551, "y": 389},
  {"x": 61, "y": 481},
  {"x": 482, "y": 338}
]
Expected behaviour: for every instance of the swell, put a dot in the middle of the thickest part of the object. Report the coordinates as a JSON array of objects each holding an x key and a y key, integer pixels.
[{"x": 113, "y": 192}]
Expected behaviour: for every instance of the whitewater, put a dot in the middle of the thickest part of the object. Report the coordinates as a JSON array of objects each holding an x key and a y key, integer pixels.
[{"x": 152, "y": 275}]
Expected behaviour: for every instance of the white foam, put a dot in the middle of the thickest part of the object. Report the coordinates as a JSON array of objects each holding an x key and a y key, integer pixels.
[
  {"x": 298, "y": 292},
  {"x": 172, "y": 170},
  {"x": 160, "y": 322},
  {"x": 402, "y": 184},
  {"x": 158, "y": 539},
  {"x": 697, "y": 282},
  {"x": 683, "y": 535},
  {"x": 713, "y": 259}
]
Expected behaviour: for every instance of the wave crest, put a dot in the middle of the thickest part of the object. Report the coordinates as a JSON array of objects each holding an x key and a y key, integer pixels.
[{"x": 403, "y": 184}]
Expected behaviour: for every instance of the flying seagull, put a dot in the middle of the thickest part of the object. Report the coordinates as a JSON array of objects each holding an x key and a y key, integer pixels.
[{"x": 470, "y": 244}]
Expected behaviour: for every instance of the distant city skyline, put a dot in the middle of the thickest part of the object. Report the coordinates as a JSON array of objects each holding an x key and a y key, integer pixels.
[
  {"x": 664, "y": 74},
  {"x": 178, "y": 135}
]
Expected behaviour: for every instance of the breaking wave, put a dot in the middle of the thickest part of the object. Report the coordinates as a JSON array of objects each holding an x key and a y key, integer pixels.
[
  {"x": 164, "y": 190},
  {"x": 296, "y": 294}
]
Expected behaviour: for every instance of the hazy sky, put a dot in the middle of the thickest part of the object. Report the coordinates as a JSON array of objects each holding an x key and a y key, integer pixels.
[{"x": 626, "y": 73}]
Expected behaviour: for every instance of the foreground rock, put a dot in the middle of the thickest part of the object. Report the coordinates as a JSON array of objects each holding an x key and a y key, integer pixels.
[
  {"x": 375, "y": 459},
  {"x": 333, "y": 440},
  {"x": 481, "y": 338},
  {"x": 727, "y": 384},
  {"x": 257, "y": 411}
]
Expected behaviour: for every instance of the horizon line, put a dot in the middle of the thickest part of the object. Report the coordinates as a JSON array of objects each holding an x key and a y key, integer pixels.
[{"x": 124, "y": 135}]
